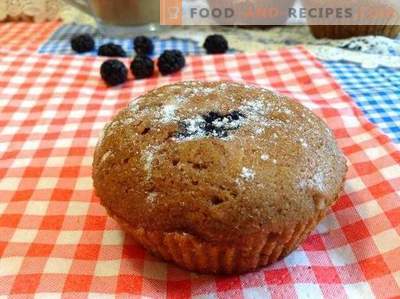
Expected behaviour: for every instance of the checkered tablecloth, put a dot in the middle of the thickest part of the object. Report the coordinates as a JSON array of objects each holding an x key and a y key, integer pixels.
[
  {"x": 59, "y": 42},
  {"x": 56, "y": 239},
  {"x": 15, "y": 36},
  {"x": 375, "y": 90}
]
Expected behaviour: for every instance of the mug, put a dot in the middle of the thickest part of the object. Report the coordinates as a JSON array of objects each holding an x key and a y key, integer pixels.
[{"x": 126, "y": 18}]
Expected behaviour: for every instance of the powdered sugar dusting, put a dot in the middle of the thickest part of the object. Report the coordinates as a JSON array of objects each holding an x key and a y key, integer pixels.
[
  {"x": 259, "y": 131},
  {"x": 126, "y": 121},
  {"x": 133, "y": 107},
  {"x": 257, "y": 114},
  {"x": 151, "y": 197},
  {"x": 247, "y": 174},
  {"x": 148, "y": 157},
  {"x": 303, "y": 143},
  {"x": 264, "y": 157},
  {"x": 286, "y": 110},
  {"x": 105, "y": 157},
  {"x": 203, "y": 90},
  {"x": 168, "y": 111},
  {"x": 193, "y": 128},
  {"x": 253, "y": 111},
  {"x": 102, "y": 134},
  {"x": 253, "y": 108}
]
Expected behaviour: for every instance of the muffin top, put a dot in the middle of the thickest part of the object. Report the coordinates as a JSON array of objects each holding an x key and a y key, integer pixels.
[{"x": 218, "y": 160}]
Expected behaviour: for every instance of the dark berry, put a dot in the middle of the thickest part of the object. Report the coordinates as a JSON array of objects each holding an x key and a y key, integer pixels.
[
  {"x": 235, "y": 115},
  {"x": 170, "y": 61},
  {"x": 142, "y": 67},
  {"x": 214, "y": 124},
  {"x": 221, "y": 132},
  {"x": 82, "y": 43},
  {"x": 113, "y": 72},
  {"x": 111, "y": 50},
  {"x": 211, "y": 116},
  {"x": 209, "y": 127},
  {"x": 215, "y": 44},
  {"x": 143, "y": 45}
]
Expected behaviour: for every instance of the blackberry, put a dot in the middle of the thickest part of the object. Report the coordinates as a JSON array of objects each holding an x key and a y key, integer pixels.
[
  {"x": 214, "y": 124},
  {"x": 215, "y": 44},
  {"x": 82, "y": 43},
  {"x": 170, "y": 61},
  {"x": 142, "y": 67},
  {"x": 218, "y": 124},
  {"x": 111, "y": 50},
  {"x": 211, "y": 116},
  {"x": 235, "y": 115},
  {"x": 113, "y": 72},
  {"x": 143, "y": 45},
  {"x": 211, "y": 130}
]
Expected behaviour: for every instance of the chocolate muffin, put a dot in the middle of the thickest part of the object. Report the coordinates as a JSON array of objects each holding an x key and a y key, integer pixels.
[{"x": 217, "y": 177}]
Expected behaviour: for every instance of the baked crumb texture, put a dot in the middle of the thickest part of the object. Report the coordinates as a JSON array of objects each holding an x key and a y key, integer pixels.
[{"x": 209, "y": 165}]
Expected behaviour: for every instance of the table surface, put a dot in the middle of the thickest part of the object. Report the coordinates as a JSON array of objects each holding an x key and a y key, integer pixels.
[
  {"x": 56, "y": 240},
  {"x": 371, "y": 79}
]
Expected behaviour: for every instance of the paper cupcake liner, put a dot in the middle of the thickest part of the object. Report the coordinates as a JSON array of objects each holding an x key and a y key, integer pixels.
[{"x": 201, "y": 256}]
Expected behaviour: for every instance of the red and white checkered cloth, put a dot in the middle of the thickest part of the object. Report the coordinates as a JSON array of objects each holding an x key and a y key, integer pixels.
[
  {"x": 56, "y": 239},
  {"x": 15, "y": 36}
]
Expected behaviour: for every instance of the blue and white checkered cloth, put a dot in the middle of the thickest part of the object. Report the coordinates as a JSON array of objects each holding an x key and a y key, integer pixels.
[
  {"x": 376, "y": 91},
  {"x": 59, "y": 42}
]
